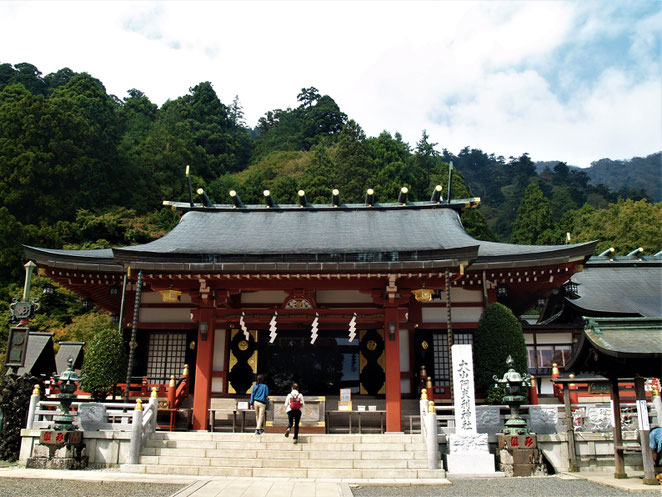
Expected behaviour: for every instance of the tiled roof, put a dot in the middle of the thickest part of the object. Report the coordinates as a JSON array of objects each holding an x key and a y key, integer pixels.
[
  {"x": 357, "y": 234},
  {"x": 626, "y": 287}
]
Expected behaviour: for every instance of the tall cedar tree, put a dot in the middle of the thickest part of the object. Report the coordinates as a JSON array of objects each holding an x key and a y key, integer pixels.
[{"x": 535, "y": 224}]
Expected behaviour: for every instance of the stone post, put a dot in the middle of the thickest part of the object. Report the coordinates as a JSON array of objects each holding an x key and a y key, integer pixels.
[
  {"x": 136, "y": 433},
  {"x": 432, "y": 437},
  {"x": 34, "y": 399}
]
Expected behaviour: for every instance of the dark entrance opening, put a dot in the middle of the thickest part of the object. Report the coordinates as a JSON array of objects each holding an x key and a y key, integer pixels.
[{"x": 322, "y": 368}]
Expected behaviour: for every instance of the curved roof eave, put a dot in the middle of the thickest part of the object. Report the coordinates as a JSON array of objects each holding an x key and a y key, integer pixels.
[{"x": 393, "y": 236}]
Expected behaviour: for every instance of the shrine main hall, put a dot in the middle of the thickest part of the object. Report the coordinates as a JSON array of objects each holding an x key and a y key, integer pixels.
[{"x": 353, "y": 296}]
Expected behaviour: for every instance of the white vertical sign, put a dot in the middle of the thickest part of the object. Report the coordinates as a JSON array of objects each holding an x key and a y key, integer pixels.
[{"x": 463, "y": 389}]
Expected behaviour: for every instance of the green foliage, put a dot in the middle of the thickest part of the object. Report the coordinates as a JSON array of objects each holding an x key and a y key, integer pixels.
[
  {"x": 626, "y": 225},
  {"x": 83, "y": 328},
  {"x": 105, "y": 362},
  {"x": 498, "y": 335},
  {"x": 534, "y": 224},
  {"x": 15, "y": 392}
]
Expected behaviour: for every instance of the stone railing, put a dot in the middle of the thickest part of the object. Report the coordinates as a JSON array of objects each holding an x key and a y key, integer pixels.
[
  {"x": 113, "y": 432},
  {"x": 592, "y": 427}
]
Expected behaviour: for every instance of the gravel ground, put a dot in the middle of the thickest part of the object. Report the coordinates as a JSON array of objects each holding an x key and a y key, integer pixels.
[
  {"x": 30, "y": 487},
  {"x": 511, "y": 487}
]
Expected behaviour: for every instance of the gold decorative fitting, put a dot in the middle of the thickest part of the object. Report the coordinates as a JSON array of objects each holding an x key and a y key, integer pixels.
[
  {"x": 173, "y": 382},
  {"x": 185, "y": 373},
  {"x": 430, "y": 405},
  {"x": 36, "y": 391},
  {"x": 423, "y": 294},
  {"x": 424, "y": 394},
  {"x": 424, "y": 345},
  {"x": 155, "y": 394},
  {"x": 429, "y": 383},
  {"x": 139, "y": 405},
  {"x": 170, "y": 296}
]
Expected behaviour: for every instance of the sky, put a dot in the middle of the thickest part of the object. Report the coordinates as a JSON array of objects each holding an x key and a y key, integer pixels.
[{"x": 559, "y": 80}]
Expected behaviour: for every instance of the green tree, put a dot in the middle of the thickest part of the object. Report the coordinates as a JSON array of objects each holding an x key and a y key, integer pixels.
[
  {"x": 354, "y": 163},
  {"x": 535, "y": 224},
  {"x": 498, "y": 335},
  {"x": 105, "y": 363},
  {"x": 625, "y": 225}
]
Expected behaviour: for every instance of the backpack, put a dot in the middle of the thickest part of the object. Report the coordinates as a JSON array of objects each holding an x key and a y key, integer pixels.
[{"x": 295, "y": 403}]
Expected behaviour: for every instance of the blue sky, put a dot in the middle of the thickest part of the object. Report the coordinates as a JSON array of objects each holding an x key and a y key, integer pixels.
[{"x": 561, "y": 80}]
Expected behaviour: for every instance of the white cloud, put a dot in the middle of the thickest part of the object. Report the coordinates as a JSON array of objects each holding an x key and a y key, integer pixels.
[{"x": 471, "y": 73}]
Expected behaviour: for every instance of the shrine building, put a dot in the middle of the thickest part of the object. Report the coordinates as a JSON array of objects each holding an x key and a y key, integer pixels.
[{"x": 356, "y": 296}]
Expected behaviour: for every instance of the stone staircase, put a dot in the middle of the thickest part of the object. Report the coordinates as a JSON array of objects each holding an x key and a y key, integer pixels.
[{"x": 272, "y": 455}]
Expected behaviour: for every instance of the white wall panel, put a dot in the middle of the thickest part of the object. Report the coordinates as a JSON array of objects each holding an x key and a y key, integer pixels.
[
  {"x": 458, "y": 314},
  {"x": 543, "y": 338},
  {"x": 342, "y": 297},
  {"x": 219, "y": 350},
  {"x": 217, "y": 385},
  {"x": 404, "y": 349},
  {"x": 405, "y": 385},
  {"x": 165, "y": 315},
  {"x": 266, "y": 297}
]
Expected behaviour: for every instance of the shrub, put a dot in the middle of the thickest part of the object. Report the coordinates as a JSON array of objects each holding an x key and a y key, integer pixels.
[
  {"x": 15, "y": 392},
  {"x": 105, "y": 363},
  {"x": 499, "y": 334}
]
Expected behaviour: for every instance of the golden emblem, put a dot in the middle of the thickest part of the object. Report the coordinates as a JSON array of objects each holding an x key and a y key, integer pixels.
[
  {"x": 424, "y": 345},
  {"x": 372, "y": 345},
  {"x": 243, "y": 345}
]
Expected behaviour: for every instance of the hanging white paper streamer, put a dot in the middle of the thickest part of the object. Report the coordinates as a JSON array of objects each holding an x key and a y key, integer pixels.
[
  {"x": 352, "y": 328},
  {"x": 313, "y": 329},
  {"x": 272, "y": 328},
  {"x": 243, "y": 327}
]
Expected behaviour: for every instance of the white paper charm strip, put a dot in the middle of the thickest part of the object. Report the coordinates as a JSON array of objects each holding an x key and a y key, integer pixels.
[
  {"x": 313, "y": 329},
  {"x": 352, "y": 328},
  {"x": 273, "y": 328},
  {"x": 243, "y": 327}
]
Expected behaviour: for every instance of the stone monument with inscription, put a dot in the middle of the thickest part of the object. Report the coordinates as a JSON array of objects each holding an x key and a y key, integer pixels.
[{"x": 468, "y": 450}]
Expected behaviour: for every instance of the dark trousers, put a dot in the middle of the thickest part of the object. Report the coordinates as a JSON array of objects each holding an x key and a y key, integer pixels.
[{"x": 293, "y": 417}]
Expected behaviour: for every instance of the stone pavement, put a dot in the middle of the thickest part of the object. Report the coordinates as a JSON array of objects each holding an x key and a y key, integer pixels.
[
  {"x": 197, "y": 486},
  {"x": 633, "y": 483}
]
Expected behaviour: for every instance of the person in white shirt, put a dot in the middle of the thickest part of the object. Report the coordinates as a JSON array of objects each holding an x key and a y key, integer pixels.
[{"x": 293, "y": 406}]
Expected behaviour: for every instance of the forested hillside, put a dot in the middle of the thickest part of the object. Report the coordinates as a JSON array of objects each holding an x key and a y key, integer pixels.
[
  {"x": 639, "y": 176},
  {"x": 84, "y": 169}
]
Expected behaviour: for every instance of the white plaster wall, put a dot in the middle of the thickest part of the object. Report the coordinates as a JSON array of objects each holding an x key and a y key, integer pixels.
[
  {"x": 459, "y": 294},
  {"x": 404, "y": 349},
  {"x": 155, "y": 298},
  {"x": 458, "y": 314},
  {"x": 165, "y": 315},
  {"x": 218, "y": 362},
  {"x": 266, "y": 297},
  {"x": 342, "y": 297},
  {"x": 528, "y": 338},
  {"x": 558, "y": 338},
  {"x": 546, "y": 385},
  {"x": 405, "y": 385},
  {"x": 217, "y": 385}
]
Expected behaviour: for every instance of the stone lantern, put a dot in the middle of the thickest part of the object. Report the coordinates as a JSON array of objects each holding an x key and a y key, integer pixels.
[
  {"x": 514, "y": 384},
  {"x": 61, "y": 445},
  {"x": 64, "y": 421}
]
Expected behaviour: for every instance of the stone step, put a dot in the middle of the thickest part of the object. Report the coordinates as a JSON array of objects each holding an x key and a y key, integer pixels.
[
  {"x": 251, "y": 437},
  {"x": 383, "y": 464},
  {"x": 270, "y": 472}
]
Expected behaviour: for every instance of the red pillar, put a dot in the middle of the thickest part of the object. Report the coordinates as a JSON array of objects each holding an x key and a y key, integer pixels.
[
  {"x": 392, "y": 356},
  {"x": 203, "y": 370}
]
